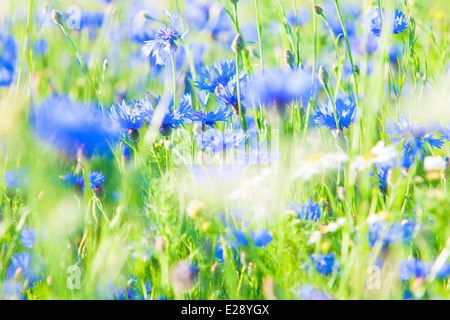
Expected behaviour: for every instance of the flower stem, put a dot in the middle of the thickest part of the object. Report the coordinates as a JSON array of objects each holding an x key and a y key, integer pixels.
[
  {"x": 258, "y": 24},
  {"x": 244, "y": 122},
  {"x": 174, "y": 72},
  {"x": 344, "y": 29},
  {"x": 83, "y": 65}
]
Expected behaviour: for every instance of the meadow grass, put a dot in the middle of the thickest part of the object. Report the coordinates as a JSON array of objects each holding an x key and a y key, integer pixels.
[{"x": 309, "y": 197}]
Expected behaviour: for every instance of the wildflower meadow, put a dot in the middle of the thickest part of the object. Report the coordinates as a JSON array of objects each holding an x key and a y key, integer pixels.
[{"x": 224, "y": 150}]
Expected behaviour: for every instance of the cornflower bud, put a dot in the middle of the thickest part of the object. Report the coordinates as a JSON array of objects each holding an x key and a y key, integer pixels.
[
  {"x": 318, "y": 10},
  {"x": 238, "y": 44},
  {"x": 323, "y": 76},
  {"x": 289, "y": 58},
  {"x": 57, "y": 17}
]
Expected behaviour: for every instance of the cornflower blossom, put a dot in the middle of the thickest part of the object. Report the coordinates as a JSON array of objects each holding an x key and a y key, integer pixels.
[
  {"x": 308, "y": 211},
  {"x": 163, "y": 112},
  {"x": 75, "y": 181},
  {"x": 279, "y": 88},
  {"x": 415, "y": 136},
  {"x": 29, "y": 268},
  {"x": 227, "y": 96},
  {"x": 213, "y": 140},
  {"x": 209, "y": 118},
  {"x": 129, "y": 119},
  {"x": 345, "y": 113},
  {"x": 237, "y": 237},
  {"x": 374, "y": 21},
  {"x": 379, "y": 231},
  {"x": 15, "y": 179},
  {"x": 8, "y": 58},
  {"x": 73, "y": 128},
  {"x": 96, "y": 180},
  {"x": 28, "y": 237},
  {"x": 164, "y": 45},
  {"x": 324, "y": 263},
  {"x": 212, "y": 78}
]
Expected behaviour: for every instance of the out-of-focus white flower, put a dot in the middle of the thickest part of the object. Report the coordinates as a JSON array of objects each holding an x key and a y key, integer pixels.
[
  {"x": 433, "y": 167},
  {"x": 433, "y": 163},
  {"x": 379, "y": 154},
  {"x": 319, "y": 163},
  {"x": 315, "y": 237},
  {"x": 333, "y": 226}
]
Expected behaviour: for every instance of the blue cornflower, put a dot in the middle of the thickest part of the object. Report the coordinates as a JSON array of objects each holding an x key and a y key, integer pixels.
[
  {"x": 91, "y": 19},
  {"x": 12, "y": 290},
  {"x": 219, "y": 23},
  {"x": 111, "y": 293},
  {"x": 227, "y": 96},
  {"x": 444, "y": 271},
  {"x": 303, "y": 17},
  {"x": 261, "y": 238},
  {"x": 15, "y": 179},
  {"x": 378, "y": 230},
  {"x": 213, "y": 140},
  {"x": 146, "y": 107},
  {"x": 73, "y": 128},
  {"x": 197, "y": 13},
  {"x": 74, "y": 180},
  {"x": 185, "y": 109},
  {"x": 413, "y": 268},
  {"x": 374, "y": 21},
  {"x": 126, "y": 153},
  {"x": 308, "y": 211},
  {"x": 28, "y": 237},
  {"x": 325, "y": 264},
  {"x": 24, "y": 263},
  {"x": 414, "y": 135},
  {"x": 164, "y": 44},
  {"x": 8, "y": 58},
  {"x": 345, "y": 112},
  {"x": 445, "y": 131},
  {"x": 238, "y": 238},
  {"x": 127, "y": 116},
  {"x": 350, "y": 12},
  {"x": 280, "y": 88},
  {"x": 209, "y": 118},
  {"x": 40, "y": 47},
  {"x": 170, "y": 118},
  {"x": 382, "y": 175},
  {"x": 211, "y": 78},
  {"x": 95, "y": 179}
]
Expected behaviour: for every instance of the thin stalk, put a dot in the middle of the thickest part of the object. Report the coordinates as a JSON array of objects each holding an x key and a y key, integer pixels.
[
  {"x": 344, "y": 29},
  {"x": 332, "y": 104},
  {"x": 83, "y": 65},
  {"x": 258, "y": 26},
  {"x": 174, "y": 73},
  {"x": 244, "y": 122}
]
